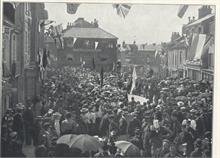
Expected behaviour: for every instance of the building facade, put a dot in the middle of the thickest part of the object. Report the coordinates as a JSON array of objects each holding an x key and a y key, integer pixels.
[
  {"x": 200, "y": 59},
  {"x": 143, "y": 56},
  {"x": 86, "y": 44},
  {"x": 176, "y": 55},
  {"x": 20, "y": 24}
]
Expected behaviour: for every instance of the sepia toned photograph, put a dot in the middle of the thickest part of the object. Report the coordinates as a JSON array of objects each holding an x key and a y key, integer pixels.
[{"x": 107, "y": 79}]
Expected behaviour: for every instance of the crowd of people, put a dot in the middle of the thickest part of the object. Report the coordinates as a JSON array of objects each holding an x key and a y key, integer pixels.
[{"x": 175, "y": 121}]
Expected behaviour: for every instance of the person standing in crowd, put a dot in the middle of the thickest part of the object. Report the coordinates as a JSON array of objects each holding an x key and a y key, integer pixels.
[
  {"x": 197, "y": 149},
  {"x": 104, "y": 124},
  {"x": 45, "y": 136},
  {"x": 172, "y": 152},
  {"x": 68, "y": 126},
  {"x": 133, "y": 125},
  {"x": 37, "y": 128},
  {"x": 18, "y": 125},
  {"x": 122, "y": 124},
  {"x": 28, "y": 118}
]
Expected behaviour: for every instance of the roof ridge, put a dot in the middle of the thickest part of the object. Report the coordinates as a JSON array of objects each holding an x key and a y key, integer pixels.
[{"x": 106, "y": 32}]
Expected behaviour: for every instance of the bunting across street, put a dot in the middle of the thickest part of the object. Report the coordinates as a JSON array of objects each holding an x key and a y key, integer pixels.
[{"x": 121, "y": 9}]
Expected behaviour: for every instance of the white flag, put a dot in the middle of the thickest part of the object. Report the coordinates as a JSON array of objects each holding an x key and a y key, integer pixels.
[
  {"x": 96, "y": 44},
  {"x": 134, "y": 77}
]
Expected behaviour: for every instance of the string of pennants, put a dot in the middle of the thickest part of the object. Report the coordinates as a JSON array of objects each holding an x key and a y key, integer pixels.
[{"x": 121, "y": 9}]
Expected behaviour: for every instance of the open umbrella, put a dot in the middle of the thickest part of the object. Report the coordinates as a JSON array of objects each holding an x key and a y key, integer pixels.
[
  {"x": 66, "y": 139},
  {"x": 86, "y": 143},
  {"x": 128, "y": 148}
]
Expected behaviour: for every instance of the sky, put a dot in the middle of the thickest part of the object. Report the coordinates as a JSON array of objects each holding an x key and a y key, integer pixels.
[{"x": 143, "y": 24}]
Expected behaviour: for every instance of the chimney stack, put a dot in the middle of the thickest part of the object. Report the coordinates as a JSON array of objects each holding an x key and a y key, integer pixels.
[
  {"x": 203, "y": 11},
  {"x": 189, "y": 18},
  {"x": 96, "y": 23}
]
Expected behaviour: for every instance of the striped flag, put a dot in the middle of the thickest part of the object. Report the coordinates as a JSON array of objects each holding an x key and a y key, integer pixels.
[
  {"x": 182, "y": 10},
  {"x": 72, "y": 8},
  {"x": 134, "y": 77},
  {"x": 122, "y": 9}
]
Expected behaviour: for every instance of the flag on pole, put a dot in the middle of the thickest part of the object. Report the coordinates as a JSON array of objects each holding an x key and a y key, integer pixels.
[
  {"x": 102, "y": 76},
  {"x": 93, "y": 63},
  {"x": 96, "y": 45},
  {"x": 72, "y": 8},
  {"x": 182, "y": 10},
  {"x": 134, "y": 77},
  {"x": 122, "y": 9}
]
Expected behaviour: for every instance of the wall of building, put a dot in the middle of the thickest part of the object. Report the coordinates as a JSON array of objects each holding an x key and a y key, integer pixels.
[{"x": 92, "y": 58}]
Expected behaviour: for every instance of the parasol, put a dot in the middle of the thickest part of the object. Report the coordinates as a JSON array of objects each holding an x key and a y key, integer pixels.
[
  {"x": 85, "y": 143},
  {"x": 128, "y": 148},
  {"x": 66, "y": 139}
]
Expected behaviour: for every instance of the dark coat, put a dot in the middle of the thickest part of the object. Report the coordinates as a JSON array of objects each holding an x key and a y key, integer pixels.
[
  {"x": 104, "y": 125},
  {"x": 132, "y": 125},
  {"x": 122, "y": 126}
]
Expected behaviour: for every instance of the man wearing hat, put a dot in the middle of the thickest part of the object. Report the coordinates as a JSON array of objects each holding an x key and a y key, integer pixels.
[
  {"x": 164, "y": 149},
  {"x": 69, "y": 126},
  {"x": 136, "y": 139},
  {"x": 133, "y": 124},
  {"x": 18, "y": 124},
  {"x": 45, "y": 135},
  {"x": 104, "y": 124},
  {"x": 28, "y": 118},
  {"x": 122, "y": 123}
]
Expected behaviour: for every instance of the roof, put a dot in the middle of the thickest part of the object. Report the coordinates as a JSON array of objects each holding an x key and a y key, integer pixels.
[
  {"x": 149, "y": 47},
  {"x": 200, "y": 20},
  {"x": 77, "y": 32},
  {"x": 83, "y": 29}
]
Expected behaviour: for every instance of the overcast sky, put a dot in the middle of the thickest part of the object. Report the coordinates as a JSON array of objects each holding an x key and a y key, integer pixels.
[{"x": 144, "y": 23}]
